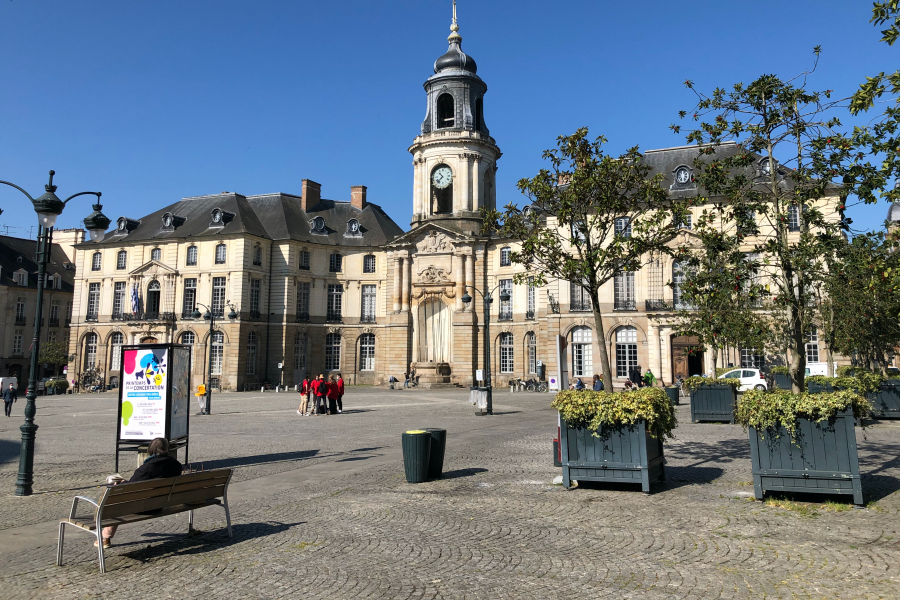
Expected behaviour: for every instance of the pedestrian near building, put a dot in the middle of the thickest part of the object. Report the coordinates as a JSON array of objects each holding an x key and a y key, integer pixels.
[
  {"x": 406, "y": 380},
  {"x": 649, "y": 379},
  {"x": 319, "y": 390},
  {"x": 598, "y": 383},
  {"x": 305, "y": 391},
  {"x": 9, "y": 396},
  {"x": 340, "y": 398},
  {"x": 332, "y": 395}
]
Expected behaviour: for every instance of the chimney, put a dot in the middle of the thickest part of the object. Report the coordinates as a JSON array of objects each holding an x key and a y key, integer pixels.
[
  {"x": 358, "y": 196},
  {"x": 311, "y": 195}
]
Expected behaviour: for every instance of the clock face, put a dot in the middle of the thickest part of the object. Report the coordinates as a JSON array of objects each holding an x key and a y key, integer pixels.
[
  {"x": 442, "y": 177},
  {"x": 682, "y": 175}
]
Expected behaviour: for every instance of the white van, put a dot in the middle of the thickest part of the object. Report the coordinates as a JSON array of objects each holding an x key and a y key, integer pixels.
[
  {"x": 820, "y": 368},
  {"x": 5, "y": 381}
]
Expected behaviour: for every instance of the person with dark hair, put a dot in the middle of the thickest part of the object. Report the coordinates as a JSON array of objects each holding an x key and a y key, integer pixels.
[
  {"x": 340, "y": 391},
  {"x": 332, "y": 395},
  {"x": 158, "y": 465},
  {"x": 9, "y": 396},
  {"x": 305, "y": 390},
  {"x": 320, "y": 390},
  {"x": 598, "y": 384}
]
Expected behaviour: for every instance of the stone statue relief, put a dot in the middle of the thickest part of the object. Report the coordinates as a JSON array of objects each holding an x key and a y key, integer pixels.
[
  {"x": 434, "y": 242},
  {"x": 433, "y": 275}
]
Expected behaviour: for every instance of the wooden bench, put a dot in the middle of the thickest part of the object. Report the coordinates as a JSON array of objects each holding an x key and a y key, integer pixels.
[{"x": 132, "y": 502}]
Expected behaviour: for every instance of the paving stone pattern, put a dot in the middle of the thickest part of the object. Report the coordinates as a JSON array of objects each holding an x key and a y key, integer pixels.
[{"x": 493, "y": 528}]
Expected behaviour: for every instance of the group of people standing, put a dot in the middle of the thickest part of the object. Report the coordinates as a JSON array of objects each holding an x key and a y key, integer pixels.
[{"x": 320, "y": 396}]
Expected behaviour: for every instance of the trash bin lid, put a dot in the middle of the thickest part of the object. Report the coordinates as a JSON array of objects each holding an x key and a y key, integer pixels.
[{"x": 416, "y": 431}]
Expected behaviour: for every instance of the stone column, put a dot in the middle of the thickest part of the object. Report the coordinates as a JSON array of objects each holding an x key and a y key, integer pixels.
[
  {"x": 477, "y": 200},
  {"x": 464, "y": 167},
  {"x": 460, "y": 280},
  {"x": 407, "y": 281},
  {"x": 397, "y": 274}
]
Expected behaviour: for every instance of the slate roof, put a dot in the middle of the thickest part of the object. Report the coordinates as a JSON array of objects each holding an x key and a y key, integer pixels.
[
  {"x": 270, "y": 216},
  {"x": 12, "y": 249}
]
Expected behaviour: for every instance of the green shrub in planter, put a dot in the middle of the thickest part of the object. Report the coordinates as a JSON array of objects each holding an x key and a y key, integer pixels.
[
  {"x": 614, "y": 437},
  {"x": 803, "y": 442},
  {"x": 712, "y": 399}
]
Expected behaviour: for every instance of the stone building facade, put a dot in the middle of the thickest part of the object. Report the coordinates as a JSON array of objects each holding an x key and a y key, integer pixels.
[{"x": 326, "y": 286}]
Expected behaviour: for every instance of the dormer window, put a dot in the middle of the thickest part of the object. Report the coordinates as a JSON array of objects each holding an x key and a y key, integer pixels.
[
  {"x": 155, "y": 254},
  {"x": 124, "y": 225},
  {"x": 765, "y": 167},
  {"x": 167, "y": 220},
  {"x": 353, "y": 227},
  {"x": 683, "y": 176},
  {"x": 217, "y": 216},
  {"x": 220, "y": 217},
  {"x": 21, "y": 278},
  {"x": 317, "y": 226},
  {"x": 170, "y": 221}
]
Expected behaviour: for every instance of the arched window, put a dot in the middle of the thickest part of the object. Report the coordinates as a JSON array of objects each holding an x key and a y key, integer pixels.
[
  {"x": 115, "y": 354},
  {"x": 191, "y": 256},
  {"x": 121, "y": 259},
  {"x": 626, "y": 350},
  {"x": 152, "y": 306},
  {"x": 441, "y": 189},
  {"x": 156, "y": 254},
  {"x": 95, "y": 261},
  {"x": 582, "y": 352},
  {"x": 333, "y": 352},
  {"x": 531, "y": 347},
  {"x": 251, "y": 353},
  {"x": 220, "y": 254},
  {"x": 301, "y": 345},
  {"x": 218, "y": 351},
  {"x": 257, "y": 255},
  {"x": 367, "y": 352},
  {"x": 506, "y": 353},
  {"x": 188, "y": 339},
  {"x": 446, "y": 111},
  {"x": 479, "y": 114},
  {"x": 90, "y": 351}
]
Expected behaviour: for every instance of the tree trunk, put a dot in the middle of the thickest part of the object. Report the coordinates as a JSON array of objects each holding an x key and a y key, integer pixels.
[
  {"x": 715, "y": 359},
  {"x": 798, "y": 351},
  {"x": 601, "y": 345}
]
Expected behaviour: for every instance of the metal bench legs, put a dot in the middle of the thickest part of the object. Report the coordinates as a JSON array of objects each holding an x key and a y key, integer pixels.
[{"x": 227, "y": 513}]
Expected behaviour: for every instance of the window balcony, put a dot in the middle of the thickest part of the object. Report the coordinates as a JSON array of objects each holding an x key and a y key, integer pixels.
[
  {"x": 54, "y": 322},
  {"x": 91, "y": 318},
  {"x": 255, "y": 315},
  {"x": 529, "y": 314},
  {"x": 120, "y": 316},
  {"x": 187, "y": 314},
  {"x": 624, "y": 304},
  {"x": 367, "y": 319},
  {"x": 580, "y": 306},
  {"x": 506, "y": 315},
  {"x": 302, "y": 318},
  {"x": 20, "y": 320},
  {"x": 334, "y": 317},
  {"x": 657, "y": 305}
]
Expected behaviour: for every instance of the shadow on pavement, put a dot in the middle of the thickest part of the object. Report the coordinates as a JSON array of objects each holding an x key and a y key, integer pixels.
[
  {"x": 875, "y": 485},
  {"x": 9, "y": 451},
  {"x": 698, "y": 453},
  {"x": 677, "y": 477},
  {"x": 462, "y": 473},
  {"x": 182, "y": 543},
  {"x": 243, "y": 461}
]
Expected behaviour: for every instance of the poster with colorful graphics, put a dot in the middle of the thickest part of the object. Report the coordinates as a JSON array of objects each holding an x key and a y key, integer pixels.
[{"x": 144, "y": 389}]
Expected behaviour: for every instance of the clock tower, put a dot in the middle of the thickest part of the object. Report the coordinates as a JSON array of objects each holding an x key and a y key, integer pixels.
[{"x": 454, "y": 157}]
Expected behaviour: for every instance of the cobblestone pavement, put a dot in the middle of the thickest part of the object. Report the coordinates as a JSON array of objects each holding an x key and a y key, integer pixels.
[{"x": 321, "y": 510}]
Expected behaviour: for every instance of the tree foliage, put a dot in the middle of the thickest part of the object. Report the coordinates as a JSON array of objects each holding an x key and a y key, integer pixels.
[
  {"x": 569, "y": 232},
  {"x": 54, "y": 353}
]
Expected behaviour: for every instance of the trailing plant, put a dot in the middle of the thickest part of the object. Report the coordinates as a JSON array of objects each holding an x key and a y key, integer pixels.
[
  {"x": 596, "y": 410},
  {"x": 696, "y": 382},
  {"x": 767, "y": 411},
  {"x": 780, "y": 371}
]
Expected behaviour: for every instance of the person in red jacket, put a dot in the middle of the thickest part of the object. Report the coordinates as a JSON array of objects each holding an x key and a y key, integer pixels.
[
  {"x": 340, "y": 390},
  {"x": 319, "y": 391},
  {"x": 305, "y": 391},
  {"x": 332, "y": 388}
]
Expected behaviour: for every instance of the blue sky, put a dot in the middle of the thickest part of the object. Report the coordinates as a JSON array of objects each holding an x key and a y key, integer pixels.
[{"x": 149, "y": 102}]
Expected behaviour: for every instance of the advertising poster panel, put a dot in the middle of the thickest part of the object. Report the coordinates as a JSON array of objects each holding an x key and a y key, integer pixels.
[
  {"x": 180, "y": 379},
  {"x": 143, "y": 396}
]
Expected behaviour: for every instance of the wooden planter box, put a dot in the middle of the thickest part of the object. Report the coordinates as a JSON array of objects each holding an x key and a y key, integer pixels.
[
  {"x": 822, "y": 460},
  {"x": 886, "y": 401},
  {"x": 713, "y": 403},
  {"x": 624, "y": 454}
]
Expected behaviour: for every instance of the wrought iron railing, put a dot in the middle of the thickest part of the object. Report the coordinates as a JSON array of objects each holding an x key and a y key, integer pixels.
[
  {"x": 624, "y": 304},
  {"x": 657, "y": 305},
  {"x": 254, "y": 315},
  {"x": 579, "y": 305},
  {"x": 20, "y": 320},
  {"x": 334, "y": 317},
  {"x": 367, "y": 318},
  {"x": 141, "y": 316},
  {"x": 529, "y": 314},
  {"x": 90, "y": 317},
  {"x": 302, "y": 318},
  {"x": 54, "y": 322},
  {"x": 187, "y": 314},
  {"x": 506, "y": 315}
]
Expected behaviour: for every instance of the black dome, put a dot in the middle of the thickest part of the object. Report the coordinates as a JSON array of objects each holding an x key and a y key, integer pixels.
[{"x": 455, "y": 58}]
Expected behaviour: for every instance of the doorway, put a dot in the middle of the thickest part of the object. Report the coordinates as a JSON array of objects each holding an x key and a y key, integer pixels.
[
  {"x": 152, "y": 309},
  {"x": 687, "y": 359}
]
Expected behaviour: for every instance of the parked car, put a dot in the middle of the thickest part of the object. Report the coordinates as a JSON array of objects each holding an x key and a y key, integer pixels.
[{"x": 750, "y": 379}]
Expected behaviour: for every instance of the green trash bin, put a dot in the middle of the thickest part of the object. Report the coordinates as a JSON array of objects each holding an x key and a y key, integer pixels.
[
  {"x": 672, "y": 392},
  {"x": 416, "y": 455},
  {"x": 438, "y": 445}
]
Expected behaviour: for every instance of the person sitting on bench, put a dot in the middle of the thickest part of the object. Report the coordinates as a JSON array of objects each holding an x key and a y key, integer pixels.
[{"x": 158, "y": 465}]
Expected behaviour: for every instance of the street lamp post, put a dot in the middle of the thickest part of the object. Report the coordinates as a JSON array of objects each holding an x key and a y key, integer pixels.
[
  {"x": 48, "y": 207},
  {"x": 488, "y": 300},
  {"x": 211, "y": 317}
]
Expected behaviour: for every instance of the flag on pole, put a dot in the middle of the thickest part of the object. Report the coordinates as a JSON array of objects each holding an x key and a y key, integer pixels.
[{"x": 134, "y": 300}]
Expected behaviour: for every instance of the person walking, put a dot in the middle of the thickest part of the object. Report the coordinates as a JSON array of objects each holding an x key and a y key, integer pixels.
[
  {"x": 340, "y": 390},
  {"x": 9, "y": 396},
  {"x": 406, "y": 380},
  {"x": 305, "y": 391},
  {"x": 332, "y": 393}
]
